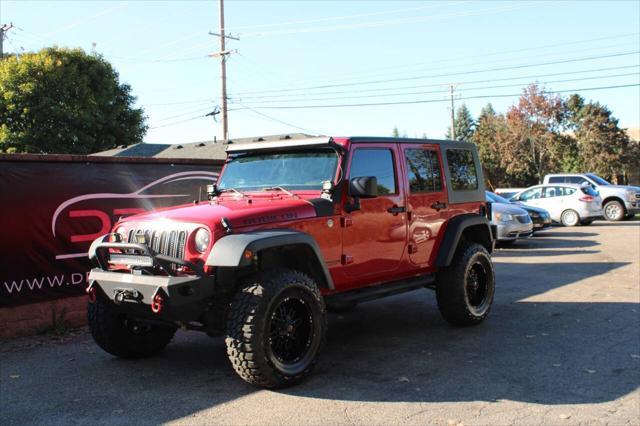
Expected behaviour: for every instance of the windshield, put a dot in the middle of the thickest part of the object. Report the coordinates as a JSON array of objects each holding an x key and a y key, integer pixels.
[
  {"x": 291, "y": 170},
  {"x": 597, "y": 179},
  {"x": 496, "y": 198}
]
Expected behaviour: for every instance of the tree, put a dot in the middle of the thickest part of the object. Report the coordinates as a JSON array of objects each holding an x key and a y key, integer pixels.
[
  {"x": 485, "y": 137},
  {"x": 535, "y": 124},
  {"x": 395, "y": 132},
  {"x": 65, "y": 101},
  {"x": 603, "y": 146},
  {"x": 464, "y": 125}
]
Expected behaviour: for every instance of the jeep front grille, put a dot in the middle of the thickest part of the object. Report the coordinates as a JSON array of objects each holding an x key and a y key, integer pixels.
[{"x": 169, "y": 243}]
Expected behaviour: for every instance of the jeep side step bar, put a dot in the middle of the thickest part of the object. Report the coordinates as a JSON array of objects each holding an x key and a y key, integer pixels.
[{"x": 378, "y": 291}]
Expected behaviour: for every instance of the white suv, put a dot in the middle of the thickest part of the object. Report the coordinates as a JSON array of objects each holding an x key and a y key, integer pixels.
[
  {"x": 618, "y": 201},
  {"x": 567, "y": 203}
]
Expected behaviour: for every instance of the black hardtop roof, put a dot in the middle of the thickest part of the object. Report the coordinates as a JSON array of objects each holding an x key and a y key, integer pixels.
[
  {"x": 381, "y": 139},
  {"x": 326, "y": 141}
]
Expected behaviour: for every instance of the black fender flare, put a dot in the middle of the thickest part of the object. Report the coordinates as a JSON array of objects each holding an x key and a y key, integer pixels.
[
  {"x": 229, "y": 250},
  {"x": 453, "y": 233}
]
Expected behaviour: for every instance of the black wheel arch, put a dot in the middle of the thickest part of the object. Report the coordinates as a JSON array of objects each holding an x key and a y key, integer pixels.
[
  {"x": 470, "y": 227},
  {"x": 293, "y": 249}
]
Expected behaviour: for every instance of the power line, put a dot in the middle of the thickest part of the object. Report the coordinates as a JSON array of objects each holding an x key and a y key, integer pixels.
[
  {"x": 428, "y": 100},
  {"x": 178, "y": 103},
  {"x": 279, "y": 121},
  {"x": 395, "y": 22},
  {"x": 81, "y": 21},
  {"x": 385, "y": 89},
  {"x": 395, "y": 67},
  {"x": 338, "y": 18},
  {"x": 177, "y": 122},
  {"x": 447, "y": 90},
  {"x": 191, "y": 111},
  {"x": 395, "y": 89},
  {"x": 457, "y": 65},
  {"x": 530, "y": 65}
]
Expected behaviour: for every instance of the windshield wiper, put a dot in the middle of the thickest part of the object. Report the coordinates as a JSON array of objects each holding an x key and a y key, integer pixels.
[
  {"x": 279, "y": 188},
  {"x": 232, "y": 190}
]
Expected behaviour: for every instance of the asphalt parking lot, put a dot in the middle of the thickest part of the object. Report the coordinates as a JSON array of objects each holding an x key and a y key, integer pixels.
[{"x": 561, "y": 346}]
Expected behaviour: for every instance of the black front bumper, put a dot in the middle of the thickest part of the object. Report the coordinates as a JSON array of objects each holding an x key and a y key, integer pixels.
[{"x": 165, "y": 295}]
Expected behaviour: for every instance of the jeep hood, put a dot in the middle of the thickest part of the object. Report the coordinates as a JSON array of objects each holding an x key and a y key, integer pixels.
[{"x": 240, "y": 212}]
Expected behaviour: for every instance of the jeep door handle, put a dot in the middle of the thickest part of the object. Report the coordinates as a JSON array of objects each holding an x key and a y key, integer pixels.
[
  {"x": 396, "y": 209},
  {"x": 438, "y": 206}
]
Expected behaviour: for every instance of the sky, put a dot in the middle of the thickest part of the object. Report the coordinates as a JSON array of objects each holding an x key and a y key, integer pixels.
[{"x": 318, "y": 66}]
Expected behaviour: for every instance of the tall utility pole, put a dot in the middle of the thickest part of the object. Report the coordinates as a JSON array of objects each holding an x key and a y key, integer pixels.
[
  {"x": 3, "y": 30},
  {"x": 223, "y": 63},
  {"x": 453, "y": 119},
  {"x": 223, "y": 74}
]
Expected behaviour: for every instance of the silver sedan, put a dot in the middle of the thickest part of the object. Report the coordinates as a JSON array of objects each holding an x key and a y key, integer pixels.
[{"x": 512, "y": 222}]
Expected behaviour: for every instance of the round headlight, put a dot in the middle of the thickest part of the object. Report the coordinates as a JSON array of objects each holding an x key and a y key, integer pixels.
[{"x": 202, "y": 239}]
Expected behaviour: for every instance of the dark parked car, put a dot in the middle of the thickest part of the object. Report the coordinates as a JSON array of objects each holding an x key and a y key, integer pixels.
[{"x": 540, "y": 217}]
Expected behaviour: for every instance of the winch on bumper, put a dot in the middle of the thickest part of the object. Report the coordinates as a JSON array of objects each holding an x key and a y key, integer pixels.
[{"x": 172, "y": 296}]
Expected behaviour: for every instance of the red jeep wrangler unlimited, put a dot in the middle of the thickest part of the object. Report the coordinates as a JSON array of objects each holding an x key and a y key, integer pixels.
[{"x": 290, "y": 229}]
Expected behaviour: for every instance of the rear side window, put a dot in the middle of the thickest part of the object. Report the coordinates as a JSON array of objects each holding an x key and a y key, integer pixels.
[
  {"x": 556, "y": 179},
  {"x": 589, "y": 191},
  {"x": 558, "y": 191},
  {"x": 423, "y": 170},
  {"x": 378, "y": 163},
  {"x": 531, "y": 194},
  {"x": 462, "y": 169},
  {"x": 576, "y": 179}
]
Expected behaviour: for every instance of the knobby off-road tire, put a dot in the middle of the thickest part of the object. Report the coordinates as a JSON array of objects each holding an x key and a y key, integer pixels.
[
  {"x": 465, "y": 289},
  {"x": 124, "y": 336},
  {"x": 276, "y": 328},
  {"x": 614, "y": 211}
]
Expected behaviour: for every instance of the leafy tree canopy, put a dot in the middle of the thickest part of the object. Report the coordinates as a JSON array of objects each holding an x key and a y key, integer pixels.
[
  {"x": 65, "y": 101},
  {"x": 603, "y": 145},
  {"x": 464, "y": 125}
]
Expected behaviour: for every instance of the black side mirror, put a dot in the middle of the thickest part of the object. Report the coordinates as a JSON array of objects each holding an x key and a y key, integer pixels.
[{"x": 363, "y": 187}]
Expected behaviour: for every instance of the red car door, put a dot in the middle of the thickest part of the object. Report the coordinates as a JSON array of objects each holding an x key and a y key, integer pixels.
[
  {"x": 375, "y": 236},
  {"x": 426, "y": 201}
]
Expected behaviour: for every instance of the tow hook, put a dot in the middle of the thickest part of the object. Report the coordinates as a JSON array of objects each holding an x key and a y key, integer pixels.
[
  {"x": 91, "y": 292},
  {"x": 157, "y": 303}
]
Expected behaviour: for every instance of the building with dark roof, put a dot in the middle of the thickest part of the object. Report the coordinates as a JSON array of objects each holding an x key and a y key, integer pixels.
[{"x": 213, "y": 150}]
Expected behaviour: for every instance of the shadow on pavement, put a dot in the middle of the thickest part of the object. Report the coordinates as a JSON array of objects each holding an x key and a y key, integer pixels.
[
  {"x": 568, "y": 234},
  {"x": 525, "y": 252},
  {"x": 396, "y": 349}
]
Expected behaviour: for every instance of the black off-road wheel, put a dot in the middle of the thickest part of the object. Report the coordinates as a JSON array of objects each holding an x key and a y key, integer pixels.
[
  {"x": 123, "y": 336},
  {"x": 276, "y": 328},
  {"x": 465, "y": 289}
]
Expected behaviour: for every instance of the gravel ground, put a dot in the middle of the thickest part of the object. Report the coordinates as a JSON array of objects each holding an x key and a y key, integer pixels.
[{"x": 560, "y": 347}]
